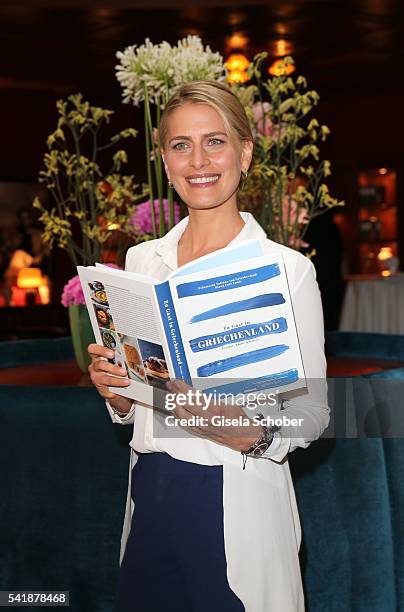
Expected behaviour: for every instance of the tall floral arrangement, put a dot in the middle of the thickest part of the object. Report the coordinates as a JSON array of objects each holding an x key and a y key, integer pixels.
[
  {"x": 149, "y": 74},
  {"x": 90, "y": 208},
  {"x": 287, "y": 183},
  {"x": 286, "y": 187}
]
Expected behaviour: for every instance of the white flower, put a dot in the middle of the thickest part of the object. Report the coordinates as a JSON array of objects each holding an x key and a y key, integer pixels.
[
  {"x": 193, "y": 62},
  {"x": 145, "y": 66},
  {"x": 161, "y": 68}
]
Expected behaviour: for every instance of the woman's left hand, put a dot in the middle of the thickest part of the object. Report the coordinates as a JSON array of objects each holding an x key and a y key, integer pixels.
[{"x": 238, "y": 436}]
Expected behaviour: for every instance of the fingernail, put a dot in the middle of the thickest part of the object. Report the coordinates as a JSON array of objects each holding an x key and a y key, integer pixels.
[
  {"x": 111, "y": 354},
  {"x": 122, "y": 371}
]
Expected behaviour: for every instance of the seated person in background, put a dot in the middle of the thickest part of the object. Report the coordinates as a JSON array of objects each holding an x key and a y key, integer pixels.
[{"x": 30, "y": 253}]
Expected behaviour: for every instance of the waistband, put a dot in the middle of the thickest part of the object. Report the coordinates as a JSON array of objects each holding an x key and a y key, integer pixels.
[{"x": 162, "y": 462}]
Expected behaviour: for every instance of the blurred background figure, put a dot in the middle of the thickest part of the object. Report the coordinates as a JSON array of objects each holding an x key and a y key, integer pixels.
[
  {"x": 29, "y": 252},
  {"x": 324, "y": 236}
]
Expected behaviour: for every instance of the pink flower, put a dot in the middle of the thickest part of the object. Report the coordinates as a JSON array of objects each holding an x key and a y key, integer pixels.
[
  {"x": 263, "y": 123},
  {"x": 290, "y": 213},
  {"x": 141, "y": 219},
  {"x": 73, "y": 291}
]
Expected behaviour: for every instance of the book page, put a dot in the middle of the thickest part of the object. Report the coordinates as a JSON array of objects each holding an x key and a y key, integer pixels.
[{"x": 125, "y": 318}]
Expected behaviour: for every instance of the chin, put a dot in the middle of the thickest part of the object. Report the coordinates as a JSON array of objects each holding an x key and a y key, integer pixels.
[
  {"x": 204, "y": 201},
  {"x": 203, "y": 205}
]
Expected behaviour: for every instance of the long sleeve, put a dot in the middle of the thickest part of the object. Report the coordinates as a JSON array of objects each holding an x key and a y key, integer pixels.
[
  {"x": 309, "y": 404},
  {"x": 115, "y": 418}
]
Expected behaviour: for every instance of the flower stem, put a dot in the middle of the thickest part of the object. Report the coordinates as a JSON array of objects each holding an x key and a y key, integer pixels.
[
  {"x": 159, "y": 171},
  {"x": 148, "y": 162}
]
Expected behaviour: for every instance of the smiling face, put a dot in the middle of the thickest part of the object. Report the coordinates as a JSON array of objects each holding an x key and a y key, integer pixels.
[{"x": 203, "y": 161}]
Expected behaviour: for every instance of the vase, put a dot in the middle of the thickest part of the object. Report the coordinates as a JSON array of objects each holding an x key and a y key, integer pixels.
[{"x": 82, "y": 334}]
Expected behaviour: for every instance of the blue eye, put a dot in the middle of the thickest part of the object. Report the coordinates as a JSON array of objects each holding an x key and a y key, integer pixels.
[
  {"x": 180, "y": 146},
  {"x": 215, "y": 141}
]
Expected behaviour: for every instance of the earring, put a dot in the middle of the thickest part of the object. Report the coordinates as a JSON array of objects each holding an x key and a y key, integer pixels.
[
  {"x": 244, "y": 174},
  {"x": 170, "y": 184}
]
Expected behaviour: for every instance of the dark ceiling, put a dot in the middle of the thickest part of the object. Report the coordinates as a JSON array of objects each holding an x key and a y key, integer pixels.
[{"x": 58, "y": 47}]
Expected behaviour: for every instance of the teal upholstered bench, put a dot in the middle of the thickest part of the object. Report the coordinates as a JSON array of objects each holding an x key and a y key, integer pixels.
[
  {"x": 29, "y": 352},
  {"x": 356, "y": 344},
  {"x": 63, "y": 481}
]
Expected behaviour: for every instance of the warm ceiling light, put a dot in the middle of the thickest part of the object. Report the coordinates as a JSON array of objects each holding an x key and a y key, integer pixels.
[
  {"x": 280, "y": 29},
  {"x": 237, "y": 76},
  {"x": 237, "y": 62},
  {"x": 236, "y": 18},
  {"x": 383, "y": 170},
  {"x": 281, "y": 47},
  {"x": 238, "y": 40},
  {"x": 279, "y": 68},
  {"x": 237, "y": 65}
]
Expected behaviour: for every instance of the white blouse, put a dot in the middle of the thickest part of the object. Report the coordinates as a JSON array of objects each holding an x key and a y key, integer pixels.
[{"x": 261, "y": 522}]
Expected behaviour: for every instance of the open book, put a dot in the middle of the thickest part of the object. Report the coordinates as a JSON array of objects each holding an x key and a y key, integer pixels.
[{"x": 222, "y": 323}]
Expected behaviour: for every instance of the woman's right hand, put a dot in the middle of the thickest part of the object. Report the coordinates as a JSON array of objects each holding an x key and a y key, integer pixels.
[{"x": 104, "y": 374}]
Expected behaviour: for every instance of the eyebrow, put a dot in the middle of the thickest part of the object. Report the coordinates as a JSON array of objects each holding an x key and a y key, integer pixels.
[{"x": 209, "y": 135}]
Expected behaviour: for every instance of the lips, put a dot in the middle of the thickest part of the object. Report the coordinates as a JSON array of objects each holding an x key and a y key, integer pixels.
[{"x": 202, "y": 180}]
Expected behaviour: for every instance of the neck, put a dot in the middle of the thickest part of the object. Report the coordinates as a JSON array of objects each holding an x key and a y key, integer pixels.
[{"x": 208, "y": 231}]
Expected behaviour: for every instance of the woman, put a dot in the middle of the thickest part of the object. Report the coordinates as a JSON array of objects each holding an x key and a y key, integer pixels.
[{"x": 206, "y": 533}]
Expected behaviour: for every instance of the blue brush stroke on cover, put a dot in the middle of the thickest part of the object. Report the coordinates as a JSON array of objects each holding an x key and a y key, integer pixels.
[
  {"x": 228, "y": 281},
  {"x": 223, "y": 365},
  {"x": 238, "y": 334},
  {"x": 224, "y": 257},
  {"x": 259, "y": 301},
  {"x": 251, "y": 385},
  {"x": 172, "y": 332}
]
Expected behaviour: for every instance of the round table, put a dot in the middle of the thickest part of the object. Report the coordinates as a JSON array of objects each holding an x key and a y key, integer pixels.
[{"x": 374, "y": 305}]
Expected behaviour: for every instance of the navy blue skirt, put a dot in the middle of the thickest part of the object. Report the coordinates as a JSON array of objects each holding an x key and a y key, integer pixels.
[{"x": 175, "y": 559}]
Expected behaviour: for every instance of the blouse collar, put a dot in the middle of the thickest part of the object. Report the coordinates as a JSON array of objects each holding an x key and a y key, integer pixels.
[{"x": 167, "y": 248}]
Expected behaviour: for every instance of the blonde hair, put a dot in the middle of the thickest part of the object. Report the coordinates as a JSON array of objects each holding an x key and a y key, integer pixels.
[{"x": 217, "y": 96}]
